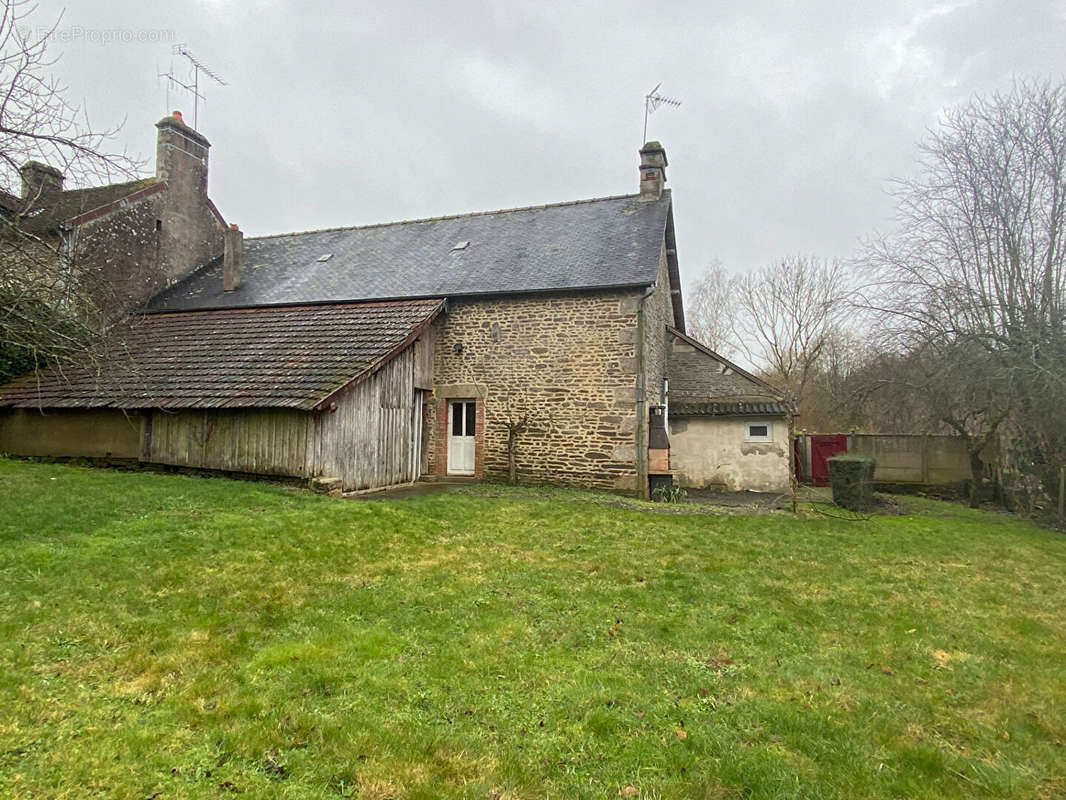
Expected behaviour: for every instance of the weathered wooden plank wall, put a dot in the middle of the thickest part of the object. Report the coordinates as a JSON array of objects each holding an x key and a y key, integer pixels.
[
  {"x": 367, "y": 441},
  {"x": 260, "y": 441},
  {"x": 61, "y": 433},
  {"x": 373, "y": 439},
  {"x": 424, "y": 348}
]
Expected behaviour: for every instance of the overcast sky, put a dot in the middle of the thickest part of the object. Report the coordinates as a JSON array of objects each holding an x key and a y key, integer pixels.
[{"x": 795, "y": 114}]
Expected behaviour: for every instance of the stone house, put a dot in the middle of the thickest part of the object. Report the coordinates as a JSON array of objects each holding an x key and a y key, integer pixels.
[
  {"x": 376, "y": 355},
  {"x": 129, "y": 239}
]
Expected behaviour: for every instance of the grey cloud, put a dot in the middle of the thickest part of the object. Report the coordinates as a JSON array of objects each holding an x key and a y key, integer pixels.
[{"x": 794, "y": 117}]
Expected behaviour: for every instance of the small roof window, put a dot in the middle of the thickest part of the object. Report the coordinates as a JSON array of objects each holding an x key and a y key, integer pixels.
[
  {"x": 460, "y": 245},
  {"x": 325, "y": 257}
]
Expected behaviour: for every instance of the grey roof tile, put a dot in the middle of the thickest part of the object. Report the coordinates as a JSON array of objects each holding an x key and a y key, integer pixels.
[{"x": 613, "y": 241}]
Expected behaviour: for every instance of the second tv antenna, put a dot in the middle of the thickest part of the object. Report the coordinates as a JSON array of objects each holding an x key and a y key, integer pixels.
[{"x": 194, "y": 87}]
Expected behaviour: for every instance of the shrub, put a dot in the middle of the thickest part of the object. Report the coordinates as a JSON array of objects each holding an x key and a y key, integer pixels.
[
  {"x": 852, "y": 479},
  {"x": 669, "y": 494}
]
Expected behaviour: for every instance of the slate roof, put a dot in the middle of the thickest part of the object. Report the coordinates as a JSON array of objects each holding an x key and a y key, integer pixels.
[
  {"x": 74, "y": 202},
  {"x": 703, "y": 375},
  {"x": 292, "y": 357},
  {"x": 727, "y": 409},
  {"x": 601, "y": 243}
]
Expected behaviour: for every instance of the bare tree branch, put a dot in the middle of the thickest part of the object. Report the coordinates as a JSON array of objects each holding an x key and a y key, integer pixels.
[
  {"x": 974, "y": 279},
  {"x": 53, "y": 308}
]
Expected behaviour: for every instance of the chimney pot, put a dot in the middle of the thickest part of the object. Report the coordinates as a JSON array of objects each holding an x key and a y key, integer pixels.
[
  {"x": 652, "y": 171},
  {"x": 232, "y": 254},
  {"x": 178, "y": 117}
]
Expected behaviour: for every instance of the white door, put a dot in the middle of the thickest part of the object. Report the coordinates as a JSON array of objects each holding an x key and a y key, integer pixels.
[{"x": 461, "y": 415}]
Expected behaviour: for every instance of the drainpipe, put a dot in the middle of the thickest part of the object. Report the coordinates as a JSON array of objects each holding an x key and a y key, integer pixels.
[
  {"x": 666, "y": 403},
  {"x": 642, "y": 404}
]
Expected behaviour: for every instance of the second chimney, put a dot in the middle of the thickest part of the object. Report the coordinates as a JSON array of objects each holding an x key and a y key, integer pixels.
[
  {"x": 652, "y": 171},
  {"x": 40, "y": 183},
  {"x": 232, "y": 253}
]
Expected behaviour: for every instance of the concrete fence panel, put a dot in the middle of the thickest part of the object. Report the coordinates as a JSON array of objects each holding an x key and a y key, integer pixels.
[{"x": 902, "y": 458}]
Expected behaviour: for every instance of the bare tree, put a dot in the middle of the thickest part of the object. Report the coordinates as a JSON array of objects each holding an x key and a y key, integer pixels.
[
  {"x": 516, "y": 426},
  {"x": 977, "y": 266},
  {"x": 46, "y": 310},
  {"x": 979, "y": 252},
  {"x": 787, "y": 314},
  {"x": 841, "y": 384},
  {"x": 957, "y": 388},
  {"x": 710, "y": 307}
]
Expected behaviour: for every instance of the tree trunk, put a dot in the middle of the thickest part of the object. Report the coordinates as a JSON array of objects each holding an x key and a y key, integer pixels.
[{"x": 977, "y": 475}]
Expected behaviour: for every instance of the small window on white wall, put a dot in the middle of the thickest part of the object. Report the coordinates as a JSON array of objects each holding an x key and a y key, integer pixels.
[{"x": 759, "y": 432}]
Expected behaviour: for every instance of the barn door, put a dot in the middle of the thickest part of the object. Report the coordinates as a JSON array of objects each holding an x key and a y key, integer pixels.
[
  {"x": 824, "y": 447},
  {"x": 461, "y": 416}
]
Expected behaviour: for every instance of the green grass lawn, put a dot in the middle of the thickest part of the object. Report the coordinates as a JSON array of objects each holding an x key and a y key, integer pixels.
[{"x": 179, "y": 637}]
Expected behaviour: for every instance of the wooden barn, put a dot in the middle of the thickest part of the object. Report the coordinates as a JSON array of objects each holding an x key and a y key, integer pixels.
[{"x": 316, "y": 391}]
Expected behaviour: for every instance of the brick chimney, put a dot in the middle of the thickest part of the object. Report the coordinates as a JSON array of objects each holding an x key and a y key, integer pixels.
[
  {"x": 40, "y": 183},
  {"x": 233, "y": 252},
  {"x": 652, "y": 171}
]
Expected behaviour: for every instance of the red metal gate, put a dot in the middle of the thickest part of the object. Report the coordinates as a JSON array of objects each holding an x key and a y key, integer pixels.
[{"x": 822, "y": 447}]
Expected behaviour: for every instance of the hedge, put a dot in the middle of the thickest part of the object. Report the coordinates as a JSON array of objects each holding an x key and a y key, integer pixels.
[{"x": 852, "y": 479}]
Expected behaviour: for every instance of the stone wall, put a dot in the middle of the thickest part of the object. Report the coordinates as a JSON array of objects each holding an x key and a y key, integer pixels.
[
  {"x": 120, "y": 255},
  {"x": 658, "y": 314},
  {"x": 567, "y": 361}
]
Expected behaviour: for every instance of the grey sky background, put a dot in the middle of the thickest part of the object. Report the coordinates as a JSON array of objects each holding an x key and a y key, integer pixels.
[{"x": 795, "y": 115}]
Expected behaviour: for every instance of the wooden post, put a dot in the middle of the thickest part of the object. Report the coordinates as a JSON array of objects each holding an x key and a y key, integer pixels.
[
  {"x": 1062, "y": 491},
  {"x": 793, "y": 473},
  {"x": 925, "y": 460}
]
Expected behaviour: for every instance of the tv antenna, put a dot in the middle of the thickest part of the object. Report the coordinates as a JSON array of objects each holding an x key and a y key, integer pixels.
[
  {"x": 194, "y": 87},
  {"x": 652, "y": 100}
]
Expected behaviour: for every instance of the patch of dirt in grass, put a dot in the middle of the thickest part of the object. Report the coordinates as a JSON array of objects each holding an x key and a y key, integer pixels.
[
  {"x": 721, "y": 662},
  {"x": 604, "y": 499},
  {"x": 374, "y": 788},
  {"x": 196, "y": 637},
  {"x": 387, "y": 780},
  {"x": 888, "y": 505},
  {"x": 149, "y": 686},
  {"x": 425, "y": 559},
  {"x": 516, "y": 553},
  {"x": 944, "y": 659},
  {"x": 1052, "y": 788},
  {"x": 659, "y": 508}
]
